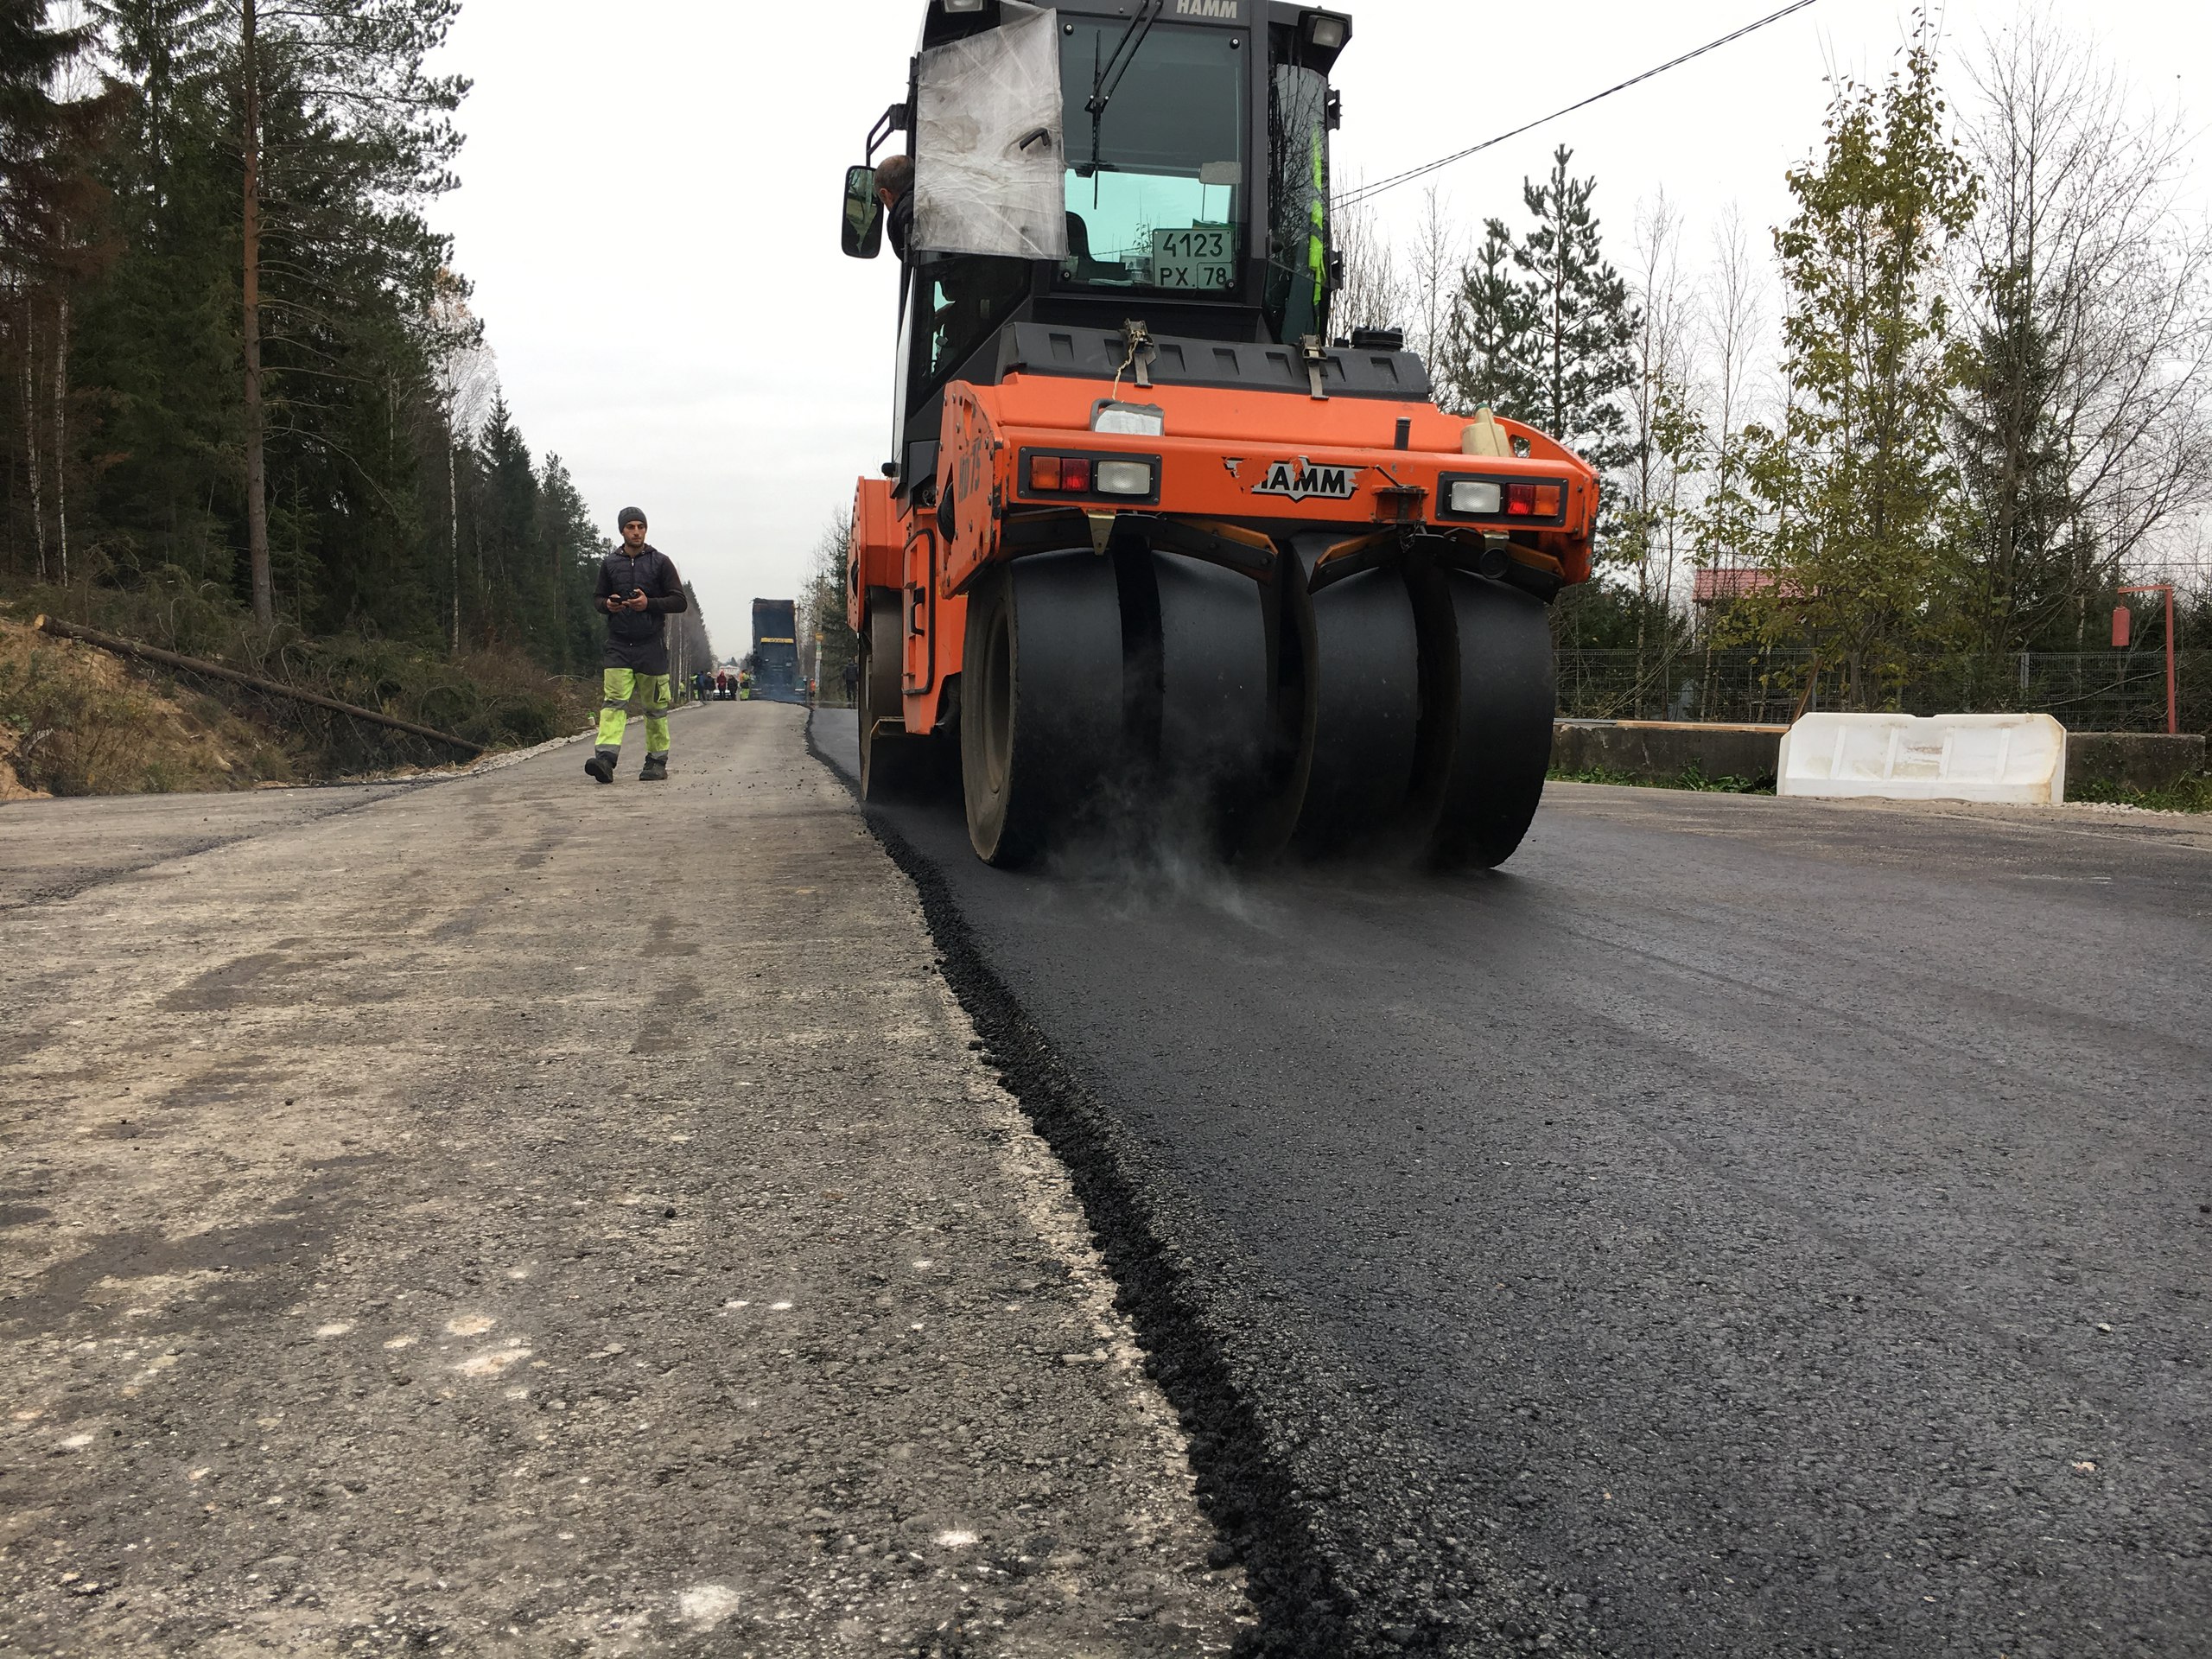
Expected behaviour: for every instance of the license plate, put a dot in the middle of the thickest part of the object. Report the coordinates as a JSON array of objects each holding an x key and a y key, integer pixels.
[{"x": 1202, "y": 257}]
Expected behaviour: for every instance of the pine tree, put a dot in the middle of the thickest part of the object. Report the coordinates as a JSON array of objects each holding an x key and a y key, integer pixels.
[
  {"x": 509, "y": 526},
  {"x": 573, "y": 546},
  {"x": 160, "y": 334},
  {"x": 364, "y": 117},
  {"x": 2014, "y": 470},
  {"x": 50, "y": 202},
  {"x": 1581, "y": 322},
  {"x": 1488, "y": 336}
]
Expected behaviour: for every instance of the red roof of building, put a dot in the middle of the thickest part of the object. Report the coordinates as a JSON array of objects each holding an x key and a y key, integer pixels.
[{"x": 1727, "y": 582}]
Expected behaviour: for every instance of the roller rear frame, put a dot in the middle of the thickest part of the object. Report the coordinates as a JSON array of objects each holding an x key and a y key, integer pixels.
[{"x": 1360, "y": 672}]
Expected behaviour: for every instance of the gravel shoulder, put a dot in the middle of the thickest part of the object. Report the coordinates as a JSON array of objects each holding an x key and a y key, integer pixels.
[{"x": 508, "y": 1215}]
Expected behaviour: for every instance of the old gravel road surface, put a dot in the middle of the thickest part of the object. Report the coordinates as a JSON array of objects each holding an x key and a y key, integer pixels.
[
  {"x": 506, "y": 1215},
  {"x": 1741, "y": 1227}
]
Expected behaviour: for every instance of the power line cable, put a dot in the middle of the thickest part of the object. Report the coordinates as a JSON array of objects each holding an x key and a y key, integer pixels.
[{"x": 1368, "y": 191}]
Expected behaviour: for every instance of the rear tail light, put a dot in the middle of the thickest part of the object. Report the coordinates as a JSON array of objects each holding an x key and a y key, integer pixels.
[
  {"x": 1089, "y": 474},
  {"x": 1534, "y": 500},
  {"x": 1542, "y": 499}
]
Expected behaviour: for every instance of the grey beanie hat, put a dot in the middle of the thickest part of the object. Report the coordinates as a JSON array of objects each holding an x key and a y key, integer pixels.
[{"x": 629, "y": 515}]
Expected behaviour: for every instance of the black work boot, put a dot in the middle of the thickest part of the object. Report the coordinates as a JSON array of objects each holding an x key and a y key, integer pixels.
[
  {"x": 601, "y": 766},
  {"x": 655, "y": 769}
]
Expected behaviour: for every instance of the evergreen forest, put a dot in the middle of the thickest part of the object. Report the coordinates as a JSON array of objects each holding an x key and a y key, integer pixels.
[{"x": 246, "y": 407}]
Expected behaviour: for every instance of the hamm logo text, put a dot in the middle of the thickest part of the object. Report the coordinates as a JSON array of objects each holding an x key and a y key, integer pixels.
[{"x": 1298, "y": 480}]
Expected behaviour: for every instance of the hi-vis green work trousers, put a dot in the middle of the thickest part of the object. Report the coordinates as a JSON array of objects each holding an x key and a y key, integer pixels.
[{"x": 618, "y": 685}]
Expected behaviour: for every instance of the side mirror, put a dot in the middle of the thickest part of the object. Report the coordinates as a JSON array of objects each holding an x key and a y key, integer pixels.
[{"x": 863, "y": 231}]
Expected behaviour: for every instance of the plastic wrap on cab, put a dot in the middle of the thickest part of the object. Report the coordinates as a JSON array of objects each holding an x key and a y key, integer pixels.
[{"x": 988, "y": 160}]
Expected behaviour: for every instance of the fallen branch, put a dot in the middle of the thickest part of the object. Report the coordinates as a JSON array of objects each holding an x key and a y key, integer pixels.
[{"x": 123, "y": 647}]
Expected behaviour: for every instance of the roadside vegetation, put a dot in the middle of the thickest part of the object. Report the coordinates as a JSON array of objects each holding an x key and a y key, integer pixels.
[
  {"x": 250, "y": 413},
  {"x": 2190, "y": 795},
  {"x": 75, "y": 720},
  {"x": 1901, "y": 451},
  {"x": 827, "y": 641},
  {"x": 1691, "y": 777}
]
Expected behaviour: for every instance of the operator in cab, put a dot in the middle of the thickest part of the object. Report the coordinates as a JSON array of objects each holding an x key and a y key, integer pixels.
[{"x": 894, "y": 188}]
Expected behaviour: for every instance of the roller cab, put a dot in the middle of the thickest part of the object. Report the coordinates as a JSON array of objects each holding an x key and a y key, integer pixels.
[{"x": 1154, "y": 549}]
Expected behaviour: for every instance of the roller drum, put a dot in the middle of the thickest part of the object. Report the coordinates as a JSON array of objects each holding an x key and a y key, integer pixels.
[
  {"x": 1367, "y": 709},
  {"x": 1213, "y": 697},
  {"x": 892, "y": 764},
  {"x": 1504, "y": 698},
  {"x": 1041, "y": 723}
]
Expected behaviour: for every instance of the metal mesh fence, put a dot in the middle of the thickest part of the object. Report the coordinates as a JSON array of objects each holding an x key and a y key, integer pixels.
[{"x": 2087, "y": 691}]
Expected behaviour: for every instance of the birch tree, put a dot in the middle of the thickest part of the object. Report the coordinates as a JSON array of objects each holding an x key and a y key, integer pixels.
[{"x": 2083, "y": 423}]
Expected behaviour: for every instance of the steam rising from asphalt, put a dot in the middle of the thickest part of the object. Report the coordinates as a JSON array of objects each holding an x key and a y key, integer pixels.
[{"x": 1145, "y": 847}]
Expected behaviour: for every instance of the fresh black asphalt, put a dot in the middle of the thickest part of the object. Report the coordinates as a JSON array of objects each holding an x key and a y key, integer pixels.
[{"x": 1739, "y": 1227}]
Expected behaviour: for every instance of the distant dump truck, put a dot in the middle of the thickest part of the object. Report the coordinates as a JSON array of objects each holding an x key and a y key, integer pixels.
[{"x": 775, "y": 650}]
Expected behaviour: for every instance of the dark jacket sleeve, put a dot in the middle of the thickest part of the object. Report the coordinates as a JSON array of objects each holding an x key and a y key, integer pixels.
[
  {"x": 671, "y": 598},
  {"x": 604, "y": 589}
]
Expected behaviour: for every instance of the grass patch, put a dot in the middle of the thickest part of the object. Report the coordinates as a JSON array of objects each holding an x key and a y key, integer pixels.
[
  {"x": 75, "y": 720},
  {"x": 73, "y": 734},
  {"x": 2190, "y": 795},
  {"x": 1691, "y": 777}
]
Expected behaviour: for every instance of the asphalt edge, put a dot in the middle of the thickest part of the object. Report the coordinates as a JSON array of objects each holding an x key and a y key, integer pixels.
[{"x": 1240, "y": 1491}]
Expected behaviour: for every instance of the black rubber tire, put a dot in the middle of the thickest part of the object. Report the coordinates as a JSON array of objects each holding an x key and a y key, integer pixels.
[
  {"x": 893, "y": 765},
  {"x": 1213, "y": 700},
  {"x": 1041, "y": 719},
  {"x": 1266, "y": 830},
  {"x": 1367, "y": 707},
  {"x": 1503, "y": 696}
]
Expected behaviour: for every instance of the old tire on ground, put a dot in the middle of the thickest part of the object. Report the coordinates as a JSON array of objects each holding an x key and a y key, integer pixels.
[
  {"x": 1041, "y": 715},
  {"x": 892, "y": 764},
  {"x": 1500, "y": 692},
  {"x": 1366, "y": 706}
]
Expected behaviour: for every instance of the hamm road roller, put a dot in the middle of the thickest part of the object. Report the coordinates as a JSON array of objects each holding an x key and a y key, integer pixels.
[{"x": 1155, "y": 545}]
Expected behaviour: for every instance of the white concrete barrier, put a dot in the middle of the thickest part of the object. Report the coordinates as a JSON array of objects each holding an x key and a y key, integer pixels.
[{"x": 2017, "y": 759}]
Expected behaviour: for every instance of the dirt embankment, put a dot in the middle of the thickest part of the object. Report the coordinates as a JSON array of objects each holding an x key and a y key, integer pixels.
[{"x": 76, "y": 721}]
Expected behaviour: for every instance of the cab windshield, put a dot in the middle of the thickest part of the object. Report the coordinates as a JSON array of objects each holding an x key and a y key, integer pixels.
[{"x": 1156, "y": 182}]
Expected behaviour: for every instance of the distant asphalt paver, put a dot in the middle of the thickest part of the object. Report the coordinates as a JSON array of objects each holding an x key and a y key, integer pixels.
[{"x": 1738, "y": 1227}]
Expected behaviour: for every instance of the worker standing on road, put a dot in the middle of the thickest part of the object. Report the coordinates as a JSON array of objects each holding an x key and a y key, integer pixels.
[
  {"x": 853, "y": 682},
  {"x": 638, "y": 589}
]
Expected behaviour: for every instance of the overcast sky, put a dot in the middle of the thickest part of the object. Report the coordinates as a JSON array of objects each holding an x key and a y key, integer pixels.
[{"x": 650, "y": 195}]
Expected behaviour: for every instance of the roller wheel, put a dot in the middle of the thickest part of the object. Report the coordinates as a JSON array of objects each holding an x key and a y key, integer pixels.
[
  {"x": 892, "y": 764},
  {"x": 1199, "y": 700},
  {"x": 1366, "y": 710},
  {"x": 1041, "y": 722},
  {"x": 1496, "y": 688}
]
